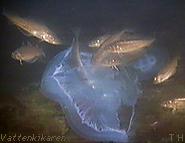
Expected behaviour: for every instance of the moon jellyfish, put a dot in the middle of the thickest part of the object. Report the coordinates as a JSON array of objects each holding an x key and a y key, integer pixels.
[{"x": 90, "y": 95}]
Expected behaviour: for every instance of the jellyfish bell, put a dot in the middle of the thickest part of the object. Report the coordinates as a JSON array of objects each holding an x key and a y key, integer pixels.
[
  {"x": 91, "y": 112},
  {"x": 85, "y": 113}
]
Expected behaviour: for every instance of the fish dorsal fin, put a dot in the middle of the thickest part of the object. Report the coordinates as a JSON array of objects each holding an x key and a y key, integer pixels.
[
  {"x": 75, "y": 59},
  {"x": 113, "y": 38},
  {"x": 102, "y": 50}
]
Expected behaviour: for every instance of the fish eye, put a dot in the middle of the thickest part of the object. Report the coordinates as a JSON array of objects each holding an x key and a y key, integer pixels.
[
  {"x": 157, "y": 78},
  {"x": 46, "y": 36},
  {"x": 34, "y": 32},
  {"x": 18, "y": 55}
]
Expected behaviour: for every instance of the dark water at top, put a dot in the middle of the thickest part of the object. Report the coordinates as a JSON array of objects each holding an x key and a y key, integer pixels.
[{"x": 163, "y": 19}]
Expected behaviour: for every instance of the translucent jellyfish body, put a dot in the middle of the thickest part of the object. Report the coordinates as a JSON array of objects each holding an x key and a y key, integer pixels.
[{"x": 90, "y": 95}]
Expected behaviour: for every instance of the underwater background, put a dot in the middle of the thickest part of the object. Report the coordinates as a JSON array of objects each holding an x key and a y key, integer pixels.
[{"x": 23, "y": 109}]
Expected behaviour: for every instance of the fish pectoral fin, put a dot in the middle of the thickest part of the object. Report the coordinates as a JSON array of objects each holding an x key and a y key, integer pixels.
[
  {"x": 20, "y": 62},
  {"x": 41, "y": 40},
  {"x": 43, "y": 55},
  {"x": 32, "y": 60},
  {"x": 115, "y": 67},
  {"x": 173, "y": 110},
  {"x": 24, "y": 32}
]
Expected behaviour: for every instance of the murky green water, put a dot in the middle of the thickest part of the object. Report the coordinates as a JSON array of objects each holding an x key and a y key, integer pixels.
[{"x": 26, "y": 111}]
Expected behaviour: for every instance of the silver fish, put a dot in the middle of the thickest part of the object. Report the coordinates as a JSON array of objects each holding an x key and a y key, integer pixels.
[
  {"x": 102, "y": 52},
  {"x": 123, "y": 46},
  {"x": 121, "y": 43},
  {"x": 166, "y": 72},
  {"x": 103, "y": 40},
  {"x": 28, "y": 52},
  {"x": 34, "y": 28},
  {"x": 97, "y": 42},
  {"x": 113, "y": 60},
  {"x": 110, "y": 58},
  {"x": 176, "y": 105}
]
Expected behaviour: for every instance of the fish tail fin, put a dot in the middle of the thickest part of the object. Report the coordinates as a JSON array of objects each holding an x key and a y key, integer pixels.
[
  {"x": 43, "y": 53},
  {"x": 76, "y": 32},
  {"x": 4, "y": 13},
  {"x": 23, "y": 43},
  {"x": 75, "y": 50},
  {"x": 178, "y": 55},
  {"x": 29, "y": 43},
  {"x": 43, "y": 58},
  {"x": 75, "y": 54}
]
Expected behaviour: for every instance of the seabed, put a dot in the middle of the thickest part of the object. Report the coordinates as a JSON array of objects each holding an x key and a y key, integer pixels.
[{"x": 24, "y": 110}]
